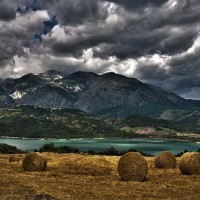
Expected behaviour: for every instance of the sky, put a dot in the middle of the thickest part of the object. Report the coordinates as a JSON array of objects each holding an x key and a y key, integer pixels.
[{"x": 155, "y": 41}]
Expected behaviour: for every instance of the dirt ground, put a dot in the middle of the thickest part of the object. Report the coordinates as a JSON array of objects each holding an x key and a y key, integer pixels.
[{"x": 70, "y": 176}]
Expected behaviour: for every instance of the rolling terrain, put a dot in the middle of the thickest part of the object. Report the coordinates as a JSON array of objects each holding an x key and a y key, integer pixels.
[{"x": 33, "y": 122}]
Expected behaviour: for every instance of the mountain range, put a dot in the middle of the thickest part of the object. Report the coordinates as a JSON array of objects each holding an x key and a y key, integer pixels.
[{"x": 110, "y": 95}]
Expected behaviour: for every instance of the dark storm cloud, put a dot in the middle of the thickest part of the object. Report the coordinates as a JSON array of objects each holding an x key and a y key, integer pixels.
[
  {"x": 7, "y": 11},
  {"x": 134, "y": 44},
  {"x": 70, "y": 12},
  {"x": 173, "y": 13},
  {"x": 17, "y": 36},
  {"x": 147, "y": 33},
  {"x": 179, "y": 73},
  {"x": 138, "y": 4},
  {"x": 174, "y": 43},
  {"x": 156, "y": 41}
]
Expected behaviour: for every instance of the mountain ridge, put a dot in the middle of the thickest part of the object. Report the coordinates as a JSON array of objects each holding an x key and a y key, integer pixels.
[{"x": 109, "y": 95}]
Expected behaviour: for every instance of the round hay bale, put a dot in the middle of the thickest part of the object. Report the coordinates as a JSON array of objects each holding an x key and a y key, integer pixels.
[
  {"x": 34, "y": 162},
  {"x": 165, "y": 160},
  {"x": 190, "y": 163},
  {"x": 156, "y": 162},
  {"x": 21, "y": 155},
  {"x": 132, "y": 167},
  {"x": 13, "y": 159}
]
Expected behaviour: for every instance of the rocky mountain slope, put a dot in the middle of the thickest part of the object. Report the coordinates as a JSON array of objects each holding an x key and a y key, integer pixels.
[{"x": 109, "y": 95}]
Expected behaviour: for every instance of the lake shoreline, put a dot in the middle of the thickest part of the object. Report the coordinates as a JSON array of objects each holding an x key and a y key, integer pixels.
[{"x": 101, "y": 138}]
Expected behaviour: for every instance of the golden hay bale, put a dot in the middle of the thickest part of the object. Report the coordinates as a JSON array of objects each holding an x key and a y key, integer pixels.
[
  {"x": 21, "y": 155},
  {"x": 132, "y": 167},
  {"x": 165, "y": 160},
  {"x": 156, "y": 162},
  {"x": 34, "y": 162},
  {"x": 13, "y": 159},
  {"x": 190, "y": 163}
]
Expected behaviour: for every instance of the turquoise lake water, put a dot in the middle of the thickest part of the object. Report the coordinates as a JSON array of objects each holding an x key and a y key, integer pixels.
[{"x": 151, "y": 146}]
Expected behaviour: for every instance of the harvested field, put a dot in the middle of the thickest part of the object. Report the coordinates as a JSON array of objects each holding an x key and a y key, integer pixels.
[{"x": 70, "y": 176}]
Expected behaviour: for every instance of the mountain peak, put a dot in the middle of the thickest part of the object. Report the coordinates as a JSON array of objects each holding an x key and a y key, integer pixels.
[
  {"x": 111, "y": 76},
  {"x": 27, "y": 77}
]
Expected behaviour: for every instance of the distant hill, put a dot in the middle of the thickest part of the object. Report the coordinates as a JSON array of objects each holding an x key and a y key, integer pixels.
[
  {"x": 184, "y": 123},
  {"x": 30, "y": 122},
  {"x": 109, "y": 95},
  {"x": 33, "y": 122},
  {"x": 8, "y": 149}
]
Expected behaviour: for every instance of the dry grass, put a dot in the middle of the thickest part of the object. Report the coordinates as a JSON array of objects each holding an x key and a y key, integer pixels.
[
  {"x": 70, "y": 176},
  {"x": 14, "y": 159}
]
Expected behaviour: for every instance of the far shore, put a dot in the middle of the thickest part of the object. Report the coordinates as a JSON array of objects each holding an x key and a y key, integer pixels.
[{"x": 101, "y": 138}]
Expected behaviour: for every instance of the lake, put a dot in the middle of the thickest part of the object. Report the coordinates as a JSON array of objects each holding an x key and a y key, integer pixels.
[{"x": 151, "y": 146}]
